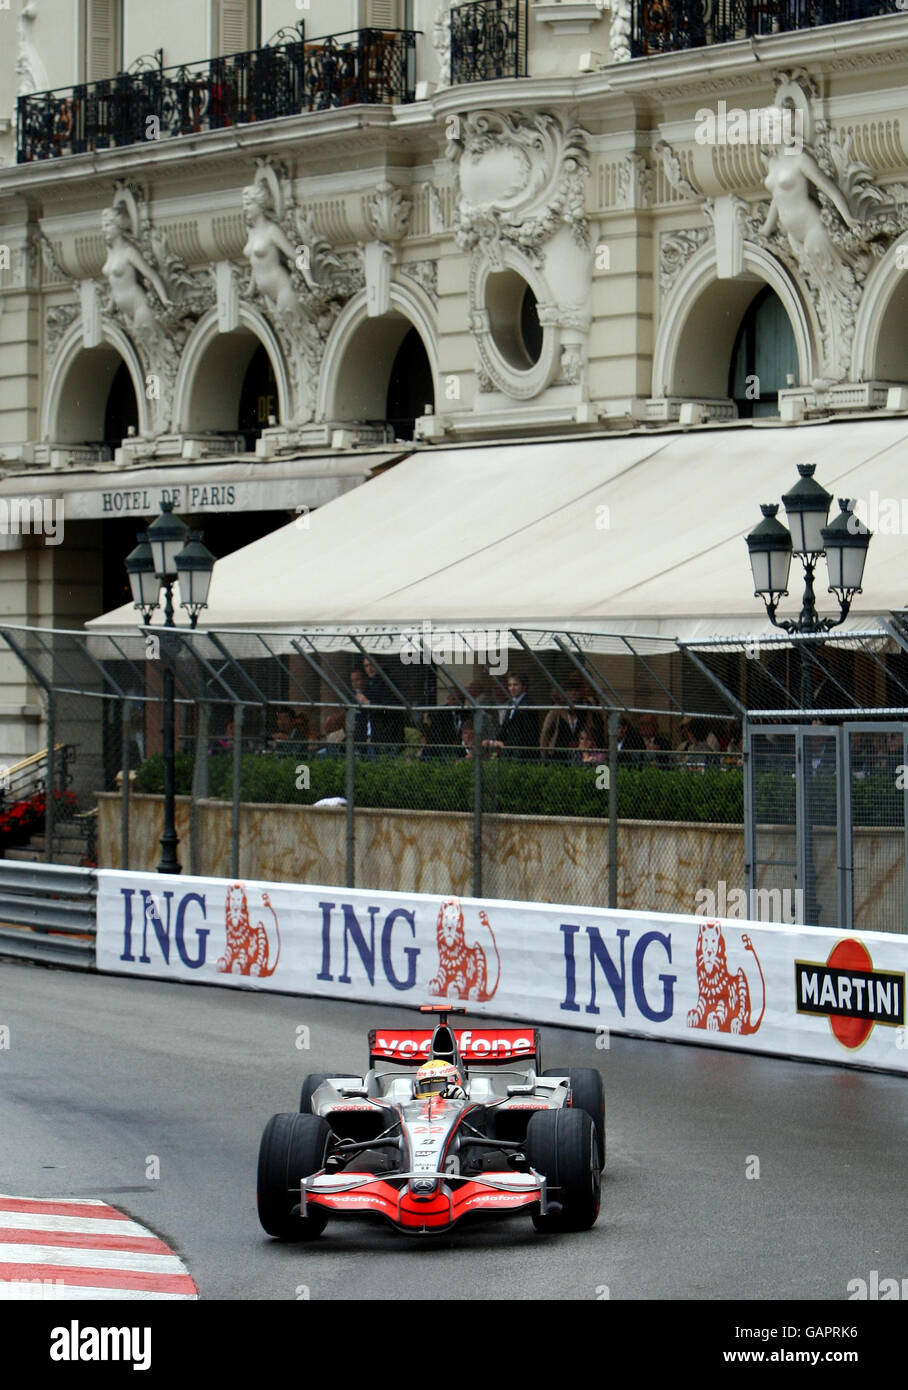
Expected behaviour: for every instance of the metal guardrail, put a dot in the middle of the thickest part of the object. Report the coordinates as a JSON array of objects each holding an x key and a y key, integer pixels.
[
  {"x": 289, "y": 75},
  {"x": 48, "y": 913},
  {"x": 665, "y": 26},
  {"x": 488, "y": 40}
]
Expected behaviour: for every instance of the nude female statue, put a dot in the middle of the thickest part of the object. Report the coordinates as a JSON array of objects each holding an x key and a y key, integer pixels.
[
  {"x": 791, "y": 172},
  {"x": 123, "y": 268},
  {"x": 269, "y": 249}
]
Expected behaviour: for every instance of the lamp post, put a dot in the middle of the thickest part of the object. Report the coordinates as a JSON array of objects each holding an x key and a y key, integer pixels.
[
  {"x": 168, "y": 551},
  {"x": 843, "y": 543}
]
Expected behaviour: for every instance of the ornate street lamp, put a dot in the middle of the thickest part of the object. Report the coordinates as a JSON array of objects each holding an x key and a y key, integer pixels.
[
  {"x": 168, "y": 552},
  {"x": 844, "y": 545}
]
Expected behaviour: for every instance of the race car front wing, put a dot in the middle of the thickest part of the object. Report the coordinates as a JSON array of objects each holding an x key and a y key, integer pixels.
[{"x": 422, "y": 1202}]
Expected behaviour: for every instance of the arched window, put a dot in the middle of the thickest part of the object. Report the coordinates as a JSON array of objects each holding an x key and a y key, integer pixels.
[
  {"x": 121, "y": 411},
  {"x": 764, "y": 355},
  {"x": 258, "y": 398},
  {"x": 410, "y": 387}
]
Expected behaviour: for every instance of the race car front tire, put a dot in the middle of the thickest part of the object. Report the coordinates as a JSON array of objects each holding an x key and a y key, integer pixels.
[
  {"x": 561, "y": 1145},
  {"x": 311, "y": 1084},
  {"x": 293, "y": 1147},
  {"x": 587, "y": 1093}
]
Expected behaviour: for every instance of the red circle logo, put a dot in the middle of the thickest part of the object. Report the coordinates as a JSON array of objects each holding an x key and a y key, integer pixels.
[{"x": 850, "y": 955}]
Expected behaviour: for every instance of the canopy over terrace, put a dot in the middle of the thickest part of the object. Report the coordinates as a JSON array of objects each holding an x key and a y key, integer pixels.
[
  {"x": 636, "y": 534},
  {"x": 241, "y": 668}
]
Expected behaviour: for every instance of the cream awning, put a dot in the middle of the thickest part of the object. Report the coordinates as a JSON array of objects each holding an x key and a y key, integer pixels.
[{"x": 640, "y": 533}]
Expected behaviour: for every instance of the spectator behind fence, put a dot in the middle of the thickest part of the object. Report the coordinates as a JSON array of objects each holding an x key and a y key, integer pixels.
[
  {"x": 653, "y": 742},
  {"x": 696, "y": 738},
  {"x": 587, "y": 751},
  {"x": 291, "y": 736},
  {"x": 333, "y": 737},
  {"x": 630, "y": 740},
  {"x": 224, "y": 744},
  {"x": 385, "y": 726},
  {"x": 561, "y": 729},
  {"x": 443, "y": 730},
  {"x": 361, "y": 719},
  {"x": 466, "y": 740},
  {"x": 518, "y": 731}
]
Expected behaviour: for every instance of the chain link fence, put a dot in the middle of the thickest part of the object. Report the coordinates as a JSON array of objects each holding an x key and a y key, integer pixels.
[
  {"x": 538, "y": 780},
  {"x": 596, "y": 772}
]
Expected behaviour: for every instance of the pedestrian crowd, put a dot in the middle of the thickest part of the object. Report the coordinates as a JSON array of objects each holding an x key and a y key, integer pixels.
[{"x": 573, "y": 732}]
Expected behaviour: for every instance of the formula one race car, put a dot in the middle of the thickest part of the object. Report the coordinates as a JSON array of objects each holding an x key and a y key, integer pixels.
[{"x": 445, "y": 1124}]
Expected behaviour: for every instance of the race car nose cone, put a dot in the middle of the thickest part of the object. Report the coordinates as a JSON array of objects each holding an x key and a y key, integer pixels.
[{"x": 423, "y": 1187}]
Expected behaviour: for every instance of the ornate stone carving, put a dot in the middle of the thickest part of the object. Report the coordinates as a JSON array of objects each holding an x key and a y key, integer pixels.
[
  {"x": 620, "y": 32},
  {"x": 56, "y": 321},
  {"x": 436, "y": 211},
  {"x": 671, "y": 165},
  {"x": 151, "y": 293},
  {"x": 571, "y": 363},
  {"x": 298, "y": 277},
  {"x": 273, "y": 254},
  {"x": 425, "y": 273},
  {"x": 31, "y": 74},
  {"x": 577, "y": 316},
  {"x": 441, "y": 42},
  {"x": 27, "y": 259},
  {"x": 827, "y": 221},
  {"x": 635, "y": 182},
  {"x": 675, "y": 250},
  {"x": 519, "y": 179},
  {"x": 51, "y": 264},
  {"x": 388, "y": 212},
  {"x": 130, "y": 268}
]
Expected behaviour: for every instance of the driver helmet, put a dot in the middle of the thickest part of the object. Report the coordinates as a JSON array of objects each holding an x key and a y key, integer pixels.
[{"x": 438, "y": 1078}]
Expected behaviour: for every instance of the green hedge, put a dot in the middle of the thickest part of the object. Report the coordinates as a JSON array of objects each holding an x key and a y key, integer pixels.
[
  {"x": 513, "y": 788},
  {"x": 517, "y": 788}
]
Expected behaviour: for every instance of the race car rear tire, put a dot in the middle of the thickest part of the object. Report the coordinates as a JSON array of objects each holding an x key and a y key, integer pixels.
[
  {"x": 587, "y": 1093},
  {"x": 311, "y": 1084},
  {"x": 293, "y": 1147},
  {"x": 561, "y": 1145}
]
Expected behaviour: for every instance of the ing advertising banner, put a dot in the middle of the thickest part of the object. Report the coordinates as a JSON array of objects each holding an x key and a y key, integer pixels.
[{"x": 801, "y": 992}]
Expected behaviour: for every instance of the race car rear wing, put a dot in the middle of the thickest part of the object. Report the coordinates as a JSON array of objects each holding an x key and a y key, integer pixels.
[{"x": 477, "y": 1046}]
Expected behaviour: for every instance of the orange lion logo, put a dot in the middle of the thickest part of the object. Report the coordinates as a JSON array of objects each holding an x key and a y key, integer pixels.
[
  {"x": 247, "y": 950},
  {"x": 723, "y": 999},
  {"x": 462, "y": 969}
]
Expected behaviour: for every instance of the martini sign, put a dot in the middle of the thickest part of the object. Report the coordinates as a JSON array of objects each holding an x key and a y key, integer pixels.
[{"x": 850, "y": 993}]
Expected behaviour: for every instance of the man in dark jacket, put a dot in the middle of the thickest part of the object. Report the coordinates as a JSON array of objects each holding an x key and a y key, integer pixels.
[
  {"x": 386, "y": 726},
  {"x": 518, "y": 733}
]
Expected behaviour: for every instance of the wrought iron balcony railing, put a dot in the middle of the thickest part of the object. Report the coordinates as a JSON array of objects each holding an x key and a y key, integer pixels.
[
  {"x": 664, "y": 26},
  {"x": 488, "y": 40},
  {"x": 151, "y": 102}
]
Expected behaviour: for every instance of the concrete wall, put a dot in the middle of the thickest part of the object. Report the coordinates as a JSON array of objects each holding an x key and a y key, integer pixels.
[{"x": 541, "y": 858}]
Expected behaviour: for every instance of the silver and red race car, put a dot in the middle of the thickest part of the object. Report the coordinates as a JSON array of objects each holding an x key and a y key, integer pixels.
[{"x": 510, "y": 1138}]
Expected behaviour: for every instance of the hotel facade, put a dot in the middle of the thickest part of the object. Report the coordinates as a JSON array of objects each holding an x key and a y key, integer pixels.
[{"x": 252, "y": 253}]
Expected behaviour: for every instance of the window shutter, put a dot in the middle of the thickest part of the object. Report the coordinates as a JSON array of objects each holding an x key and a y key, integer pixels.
[
  {"x": 102, "y": 39},
  {"x": 234, "y": 28},
  {"x": 381, "y": 14}
]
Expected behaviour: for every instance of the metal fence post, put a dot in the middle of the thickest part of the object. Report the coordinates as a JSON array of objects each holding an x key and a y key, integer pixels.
[
  {"x": 350, "y": 794},
  {"x": 199, "y": 785},
  {"x": 613, "y": 808},
  {"x": 476, "y": 846},
  {"x": 750, "y": 827},
  {"x": 125, "y": 719},
  {"x": 237, "y": 776},
  {"x": 50, "y": 779}
]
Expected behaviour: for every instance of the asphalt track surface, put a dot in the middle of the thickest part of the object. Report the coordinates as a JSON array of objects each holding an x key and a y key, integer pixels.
[{"x": 103, "y": 1075}]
